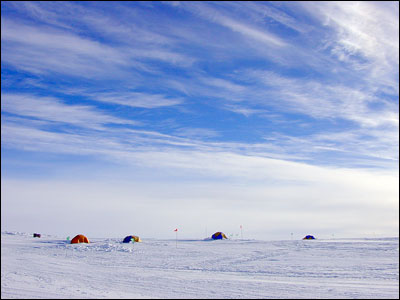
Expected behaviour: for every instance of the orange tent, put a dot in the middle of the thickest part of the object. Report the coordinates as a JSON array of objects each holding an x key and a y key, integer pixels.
[{"x": 80, "y": 238}]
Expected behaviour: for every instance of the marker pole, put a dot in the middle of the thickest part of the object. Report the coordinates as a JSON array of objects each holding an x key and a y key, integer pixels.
[{"x": 176, "y": 237}]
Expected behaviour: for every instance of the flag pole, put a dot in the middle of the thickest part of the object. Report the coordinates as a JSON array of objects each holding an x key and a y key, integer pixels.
[
  {"x": 176, "y": 237},
  {"x": 241, "y": 231}
]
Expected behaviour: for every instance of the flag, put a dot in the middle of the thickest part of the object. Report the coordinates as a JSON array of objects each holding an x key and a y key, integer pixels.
[{"x": 176, "y": 229}]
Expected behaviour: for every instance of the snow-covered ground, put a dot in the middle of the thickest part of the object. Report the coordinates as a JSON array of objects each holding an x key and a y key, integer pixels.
[{"x": 49, "y": 267}]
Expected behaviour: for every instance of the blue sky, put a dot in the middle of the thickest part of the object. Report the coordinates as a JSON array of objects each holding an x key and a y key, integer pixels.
[{"x": 281, "y": 116}]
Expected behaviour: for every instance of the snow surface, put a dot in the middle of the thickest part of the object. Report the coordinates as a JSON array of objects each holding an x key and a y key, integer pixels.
[{"x": 49, "y": 267}]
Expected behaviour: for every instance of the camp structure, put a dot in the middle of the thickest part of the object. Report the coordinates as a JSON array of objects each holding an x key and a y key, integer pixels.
[
  {"x": 131, "y": 238},
  {"x": 218, "y": 236},
  {"x": 80, "y": 238},
  {"x": 37, "y": 235},
  {"x": 308, "y": 237}
]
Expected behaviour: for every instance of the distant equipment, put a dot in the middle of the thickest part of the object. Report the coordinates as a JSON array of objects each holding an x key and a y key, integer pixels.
[{"x": 37, "y": 235}]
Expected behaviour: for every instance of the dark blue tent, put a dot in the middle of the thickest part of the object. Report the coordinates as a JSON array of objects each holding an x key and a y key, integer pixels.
[
  {"x": 131, "y": 238},
  {"x": 308, "y": 237},
  {"x": 218, "y": 236}
]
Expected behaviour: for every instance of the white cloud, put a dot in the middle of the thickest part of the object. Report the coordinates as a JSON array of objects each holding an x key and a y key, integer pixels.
[
  {"x": 253, "y": 33},
  {"x": 320, "y": 100},
  {"x": 42, "y": 50},
  {"x": 248, "y": 31},
  {"x": 52, "y": 109},
  {"x": 244, "y": 110},
  {"x": 365, "y": 29},
  {"x": 190, "y": 132},
  {"x": 136, "y": 99}
]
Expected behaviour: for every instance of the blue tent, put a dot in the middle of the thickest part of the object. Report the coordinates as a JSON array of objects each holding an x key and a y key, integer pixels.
[
  {"x": 308, "y": 237},
  {"x": 131, "y": 238},
  {"x": 218, "y": 236}
]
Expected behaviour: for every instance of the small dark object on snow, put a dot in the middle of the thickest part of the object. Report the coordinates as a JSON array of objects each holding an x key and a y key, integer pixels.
[{"x": 36, "y": 235}]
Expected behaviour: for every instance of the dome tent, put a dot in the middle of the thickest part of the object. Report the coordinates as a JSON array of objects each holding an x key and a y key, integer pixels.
[
  {"x": 308, "y": 237},
  {"x": 131, "y": 238},
  {"x": 80, "y": 238},
  {"x": 218, "y": 236}
]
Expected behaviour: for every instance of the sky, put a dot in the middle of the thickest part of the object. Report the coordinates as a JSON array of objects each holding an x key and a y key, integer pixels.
[{"x": 123, "y": 118}]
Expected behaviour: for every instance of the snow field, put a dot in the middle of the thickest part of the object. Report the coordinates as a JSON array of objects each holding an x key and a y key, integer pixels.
[{"x": 106, "y": 268}]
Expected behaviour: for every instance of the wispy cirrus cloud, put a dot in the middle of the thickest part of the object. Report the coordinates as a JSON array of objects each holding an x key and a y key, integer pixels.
[
  {"x": 41, "y": 49},
  {"x": 366, "y": 36},
  {"x": 136, "y": 99},
  {"x": 126, "y": 54},
  {"x": 261, "y": 13},
  {"x": 53, "y": 110},
  {"x": 321, "y": 100},
  {"x": 214, "y": 15}
]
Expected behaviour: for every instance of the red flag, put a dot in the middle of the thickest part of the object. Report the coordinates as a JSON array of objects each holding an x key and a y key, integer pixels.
[{"x": 176, "y": 229}]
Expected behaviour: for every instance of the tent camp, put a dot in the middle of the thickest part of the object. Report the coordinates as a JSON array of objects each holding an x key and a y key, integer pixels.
[
  {"x": 308, "y": 237},
  {"x": 131, "y": 238},
  {"x": 218, "y": 236},
  {"x": 80, "y": 238}
]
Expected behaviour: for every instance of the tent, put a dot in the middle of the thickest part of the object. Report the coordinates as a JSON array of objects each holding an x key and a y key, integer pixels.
[
  {"x": 132, "y": 238},
  {"x": 37, "y": 235},
  {"x": 218, "y": 236},
  {"x": 80, "y": 238},
  {"x": 308, "y": 237}
]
